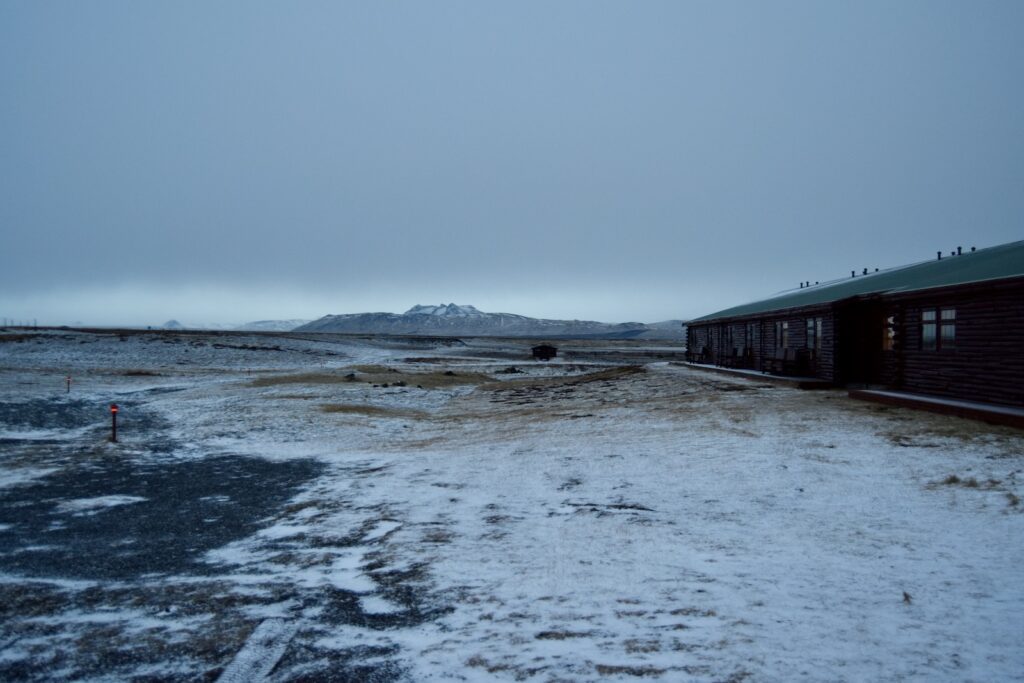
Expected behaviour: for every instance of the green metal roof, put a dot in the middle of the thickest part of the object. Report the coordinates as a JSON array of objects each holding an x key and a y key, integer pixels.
[{"x": 993, "y": 263}]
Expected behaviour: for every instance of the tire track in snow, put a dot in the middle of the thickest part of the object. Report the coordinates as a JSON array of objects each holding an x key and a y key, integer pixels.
[{"x": 261, "y": 652}]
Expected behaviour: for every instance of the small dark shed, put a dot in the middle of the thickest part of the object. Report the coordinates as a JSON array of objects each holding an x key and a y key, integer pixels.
[{"x": 544, "y": 352}]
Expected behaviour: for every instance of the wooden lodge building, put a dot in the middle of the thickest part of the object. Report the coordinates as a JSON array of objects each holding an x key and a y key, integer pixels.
[{"x": 951, "y": 328}]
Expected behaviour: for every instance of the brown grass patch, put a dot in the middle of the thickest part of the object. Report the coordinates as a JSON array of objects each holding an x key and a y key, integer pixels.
[
  {"x": 302, "y": 378},
  {"x": 601, "y": 375},
  {"x": 372, "y": 411},
  {"x": 636, "y": 646},
  {"x": 613, "y": 670},
  {"x": 970, "y": 482},
  {"x": 562, "y": 635},
  {"x": 376, "y": 374},
  {"x": 693, "y": 612}
]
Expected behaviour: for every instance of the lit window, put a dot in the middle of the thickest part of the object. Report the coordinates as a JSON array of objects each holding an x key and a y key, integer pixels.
[
  {"x": 889, "y": 333},
  {"x": 929, "y": 342}
]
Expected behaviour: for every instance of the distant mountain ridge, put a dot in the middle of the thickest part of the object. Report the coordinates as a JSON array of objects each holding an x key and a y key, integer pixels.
[
  {"x": 451, "y": 320},
  {"x": 272, "y": 325},
  {"x": 255, "y": 326}
]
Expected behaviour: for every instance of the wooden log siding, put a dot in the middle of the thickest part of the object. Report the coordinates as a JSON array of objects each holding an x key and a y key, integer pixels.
[
  {"x": 698, "y": 338},
  {"x": 825, "y": 365},
  {"x": 715, "y": 336},
  {"x": 987, "y": 363}
]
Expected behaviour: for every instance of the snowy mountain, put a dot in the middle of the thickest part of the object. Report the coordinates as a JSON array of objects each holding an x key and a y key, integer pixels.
[
  {"x": 456, "y": 320},
  {"x": 272, "y": 325},
  {"x": 446, "y": 310}
]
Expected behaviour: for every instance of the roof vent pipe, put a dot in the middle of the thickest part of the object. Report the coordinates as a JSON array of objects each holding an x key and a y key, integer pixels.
[
  {"x": 972, "y": 248},
  {"x": 940, "y": 255},
  {"x": 865, "y": 271},
  {"x": 876, "y": 270},
  {"x": 853, "y": 273},
  {"x": 959, "y": 250}
]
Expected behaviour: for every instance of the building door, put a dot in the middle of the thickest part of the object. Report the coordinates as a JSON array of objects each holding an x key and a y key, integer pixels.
[{"x": 859, "y": 327}]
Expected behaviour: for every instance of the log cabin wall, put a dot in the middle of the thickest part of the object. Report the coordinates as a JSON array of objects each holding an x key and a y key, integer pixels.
[
  {"x": 714, "y": 342},
  {"x": 698, "y": 338},
  {"x": 825, "y": 363},
  {"x": 986, "y": 361},
  {"x": 822, "y": 360},
  {"x": 759, "y": 334}
]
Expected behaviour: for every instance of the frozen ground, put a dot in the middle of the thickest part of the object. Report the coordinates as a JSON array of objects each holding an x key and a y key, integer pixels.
[{"x": 288, "y": 508}]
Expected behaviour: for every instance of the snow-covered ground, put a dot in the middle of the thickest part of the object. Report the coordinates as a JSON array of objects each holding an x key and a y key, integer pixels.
[{"x": 294, "y": 508}]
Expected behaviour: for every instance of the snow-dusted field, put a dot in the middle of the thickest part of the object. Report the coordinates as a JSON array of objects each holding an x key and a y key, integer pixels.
[{"x": 298, "y": 509}]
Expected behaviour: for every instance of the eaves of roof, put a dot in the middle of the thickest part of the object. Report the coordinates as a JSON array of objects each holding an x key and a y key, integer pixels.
[{"x": 993, "y": 263}]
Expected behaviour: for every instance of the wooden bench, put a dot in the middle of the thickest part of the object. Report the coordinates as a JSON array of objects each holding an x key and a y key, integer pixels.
[
  {"x": 789, "y": 362},
  {"x": 741, "y": 357},
  {"x": 702, "y": 356}
]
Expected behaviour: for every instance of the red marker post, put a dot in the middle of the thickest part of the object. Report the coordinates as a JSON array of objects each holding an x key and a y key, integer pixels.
[{"x": 113, "y": 422}]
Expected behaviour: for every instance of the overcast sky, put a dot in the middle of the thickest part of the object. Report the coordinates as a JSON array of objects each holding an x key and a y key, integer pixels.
[{"x": 233, "y": 161}]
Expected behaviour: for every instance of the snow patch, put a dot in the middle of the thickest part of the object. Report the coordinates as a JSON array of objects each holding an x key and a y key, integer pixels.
[
  {"x": 380, "y": 530},
  {"x": 92, "y": 506},
  {"x": 374, "y": 604}
]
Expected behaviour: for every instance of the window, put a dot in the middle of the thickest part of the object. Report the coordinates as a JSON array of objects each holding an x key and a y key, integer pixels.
[
  {"x": 814, "y": 334},
  {"x": 938, "y": 331},
  {"x": 947, "y": 330},
  {"x": 889, "y": 333},
  {"x": 781, "y": 334},
  {"x": 929, "y": 342}
]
